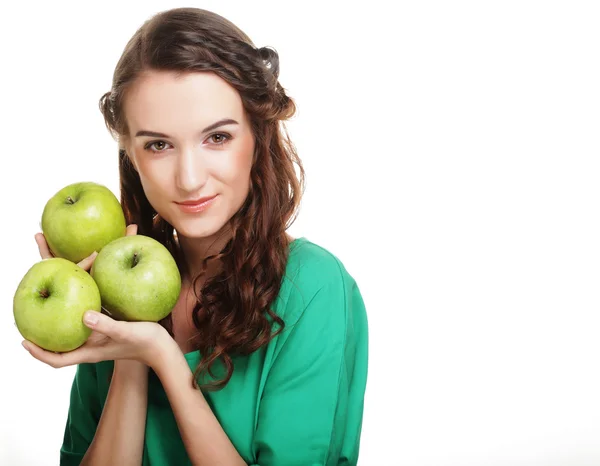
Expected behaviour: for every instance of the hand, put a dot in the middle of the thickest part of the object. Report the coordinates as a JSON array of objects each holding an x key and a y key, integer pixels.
[{"x": 111, "y": 340}]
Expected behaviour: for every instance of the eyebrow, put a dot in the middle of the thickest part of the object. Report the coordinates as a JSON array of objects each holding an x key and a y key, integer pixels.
[{"x": 154, "y": 134}]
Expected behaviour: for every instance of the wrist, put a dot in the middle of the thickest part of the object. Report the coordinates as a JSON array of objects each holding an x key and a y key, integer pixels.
[
  {"x": 130, "y": 366},
  {"x": 166, "y": 350},
  {"x": 130, "y": 372}
]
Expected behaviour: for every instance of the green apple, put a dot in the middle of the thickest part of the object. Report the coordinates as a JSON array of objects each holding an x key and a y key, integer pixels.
[
  {"x": 138, "y": 279},
  {"x": 50, "y": 301},
  {"x": 82, "y": 218}
]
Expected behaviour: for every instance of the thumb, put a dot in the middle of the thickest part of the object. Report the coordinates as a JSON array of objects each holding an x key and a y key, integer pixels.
[
  {"x": 102, "y": 323},
  {"x": 131, "y": 230},
  {"x": 86, "y": 264}
]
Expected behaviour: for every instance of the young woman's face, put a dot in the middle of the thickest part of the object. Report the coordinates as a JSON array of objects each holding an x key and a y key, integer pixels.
[{"x": 188, "y": 158}]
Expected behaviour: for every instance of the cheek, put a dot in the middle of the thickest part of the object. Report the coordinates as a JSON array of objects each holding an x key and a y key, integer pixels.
[
  {"x": 234, "y": 169},
  {"x": 153, "y": 177}
]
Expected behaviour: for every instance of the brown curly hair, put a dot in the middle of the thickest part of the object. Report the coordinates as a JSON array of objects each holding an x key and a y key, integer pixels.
[{"x": 232, "y": 313}]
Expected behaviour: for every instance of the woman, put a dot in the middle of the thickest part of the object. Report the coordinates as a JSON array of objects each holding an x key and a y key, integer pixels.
[{"x": 263, "y": 359}]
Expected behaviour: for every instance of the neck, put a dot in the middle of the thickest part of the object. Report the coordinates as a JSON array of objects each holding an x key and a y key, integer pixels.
[{"x": 195, "y": 250}]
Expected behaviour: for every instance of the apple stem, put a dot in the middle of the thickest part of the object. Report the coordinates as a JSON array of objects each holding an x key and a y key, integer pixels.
[
  {"x": 70, "y": 200},
  {"x": 135, "y": 260},
  {"x": 44, "y": 293}
]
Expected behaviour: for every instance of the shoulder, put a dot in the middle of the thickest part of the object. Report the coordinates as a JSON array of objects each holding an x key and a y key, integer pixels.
[
  {"x": 310, "y": 261},
  {"x": 315, "y": 282}
]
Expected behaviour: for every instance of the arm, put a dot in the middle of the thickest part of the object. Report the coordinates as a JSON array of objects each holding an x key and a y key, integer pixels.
[
  {"x": 205, "y": 440},
  {"x": 120, "y": 434},
  {"x": 96, "y": 437},
  {"x": 312, "y": 404},
  {"x": 311, "y": 409}
]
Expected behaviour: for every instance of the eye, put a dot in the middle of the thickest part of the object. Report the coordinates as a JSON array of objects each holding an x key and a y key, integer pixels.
[
  {"x": 220, "y": 138},
  {"x": 160, "y": 146}
]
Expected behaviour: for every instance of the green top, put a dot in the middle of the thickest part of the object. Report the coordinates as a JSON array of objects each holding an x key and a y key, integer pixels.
[{"x": 296, "y": 401}]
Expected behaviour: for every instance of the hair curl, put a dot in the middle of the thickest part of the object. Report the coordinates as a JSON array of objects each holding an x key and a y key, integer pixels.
[{"x": 232, "y": 313}]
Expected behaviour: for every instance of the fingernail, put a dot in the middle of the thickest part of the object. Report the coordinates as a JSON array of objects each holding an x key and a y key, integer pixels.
[
  {"x": 26, "y": 346},
  {"x": 90, "y": 318}
]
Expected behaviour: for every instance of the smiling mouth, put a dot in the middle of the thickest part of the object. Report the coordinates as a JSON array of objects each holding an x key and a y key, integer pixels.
[
  {"x": 195, "y": 206},
  {"x": 202, "y": 200}
]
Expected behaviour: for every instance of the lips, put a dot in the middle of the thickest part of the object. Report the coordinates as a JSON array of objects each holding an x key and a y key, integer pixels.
[
  {"x": 196, "y": 206},
  {"x": 197, "y": 201}
]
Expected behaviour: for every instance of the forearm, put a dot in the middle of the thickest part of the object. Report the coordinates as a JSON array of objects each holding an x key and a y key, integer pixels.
[
  {"x": 120, "y": 434},
  {"x": 205, "y": 440}
]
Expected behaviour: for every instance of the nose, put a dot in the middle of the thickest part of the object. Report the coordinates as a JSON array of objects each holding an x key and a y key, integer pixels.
[{"x": 191, "y": 173}]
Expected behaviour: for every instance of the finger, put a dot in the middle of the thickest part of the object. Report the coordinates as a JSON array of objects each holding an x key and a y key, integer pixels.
[
  {"x": 131, "y": 230},
  {"x": 101, "y": 323},
  {"x": 80, "y": 355},
  {"x": 86, "y": 264},
  {"x": 52, "y": 359},
  {"x": 91, "y": 351},
  {"x": 40, "y": 239}
]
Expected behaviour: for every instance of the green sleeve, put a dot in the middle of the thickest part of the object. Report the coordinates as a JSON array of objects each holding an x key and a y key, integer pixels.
[
  {"x": 312, "y": 406},
  {"x": 83, "y": 416}
]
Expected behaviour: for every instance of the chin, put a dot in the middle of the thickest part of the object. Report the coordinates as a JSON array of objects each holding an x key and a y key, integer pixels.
[{"x": 197, "y": 228}]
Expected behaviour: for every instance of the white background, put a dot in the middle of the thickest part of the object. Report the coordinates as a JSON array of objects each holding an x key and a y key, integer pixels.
[{"x": 452, "y": 154}]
